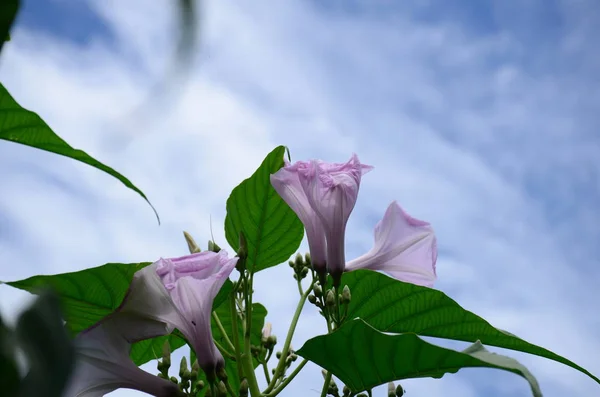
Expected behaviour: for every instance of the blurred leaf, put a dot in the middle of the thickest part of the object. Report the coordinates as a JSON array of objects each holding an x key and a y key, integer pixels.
[
  {"x": 47, "y": 347},
  {"x": 27, "y": 128},
  {"x": 390, "y": 305},
  {"x": 9, "y": 376},
  {"x": 88, "y": 295},
  {"x": 363, "y": 357},
  {"x": 272, "y": 230},
  {"x": 8, "y": 13}
]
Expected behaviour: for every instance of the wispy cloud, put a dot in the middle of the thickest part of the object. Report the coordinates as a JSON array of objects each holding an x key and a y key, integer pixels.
[{"x": 480, "y": 119}]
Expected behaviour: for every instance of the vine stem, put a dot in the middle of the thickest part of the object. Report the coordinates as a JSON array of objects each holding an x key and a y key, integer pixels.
[
  {"x": 215, "y": 317},
  {"x": 326, "y": 384},
  {"x": 287, "y": 380},
  {"x": 288, "y": 340}
]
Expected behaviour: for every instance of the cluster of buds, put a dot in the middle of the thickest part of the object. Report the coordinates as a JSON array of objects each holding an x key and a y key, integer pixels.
[
  {"x": 301, "y": 266},
  {"x": 326, "y": 301},
  {"x": 291, "y": 357},
  {"x": 267, "y": 343},
  {"x": 188, "y": 382},
  {"x": 332, "y": 388}
]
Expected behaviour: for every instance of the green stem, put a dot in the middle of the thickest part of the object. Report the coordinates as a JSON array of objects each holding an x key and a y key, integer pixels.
[
  {"x": 287, "y": 380},
  {"x": 266, "y": 370},
  {"x": 288, "y": 340},
  {"x": 236, "y": 338},
  {"x": 250, "y": 376},
  {"x": 224, "y": 351},
  {"x": 215, "y": 317},
  {"x": 300, "y": 288},
  {"x": 326, "y": 384}
]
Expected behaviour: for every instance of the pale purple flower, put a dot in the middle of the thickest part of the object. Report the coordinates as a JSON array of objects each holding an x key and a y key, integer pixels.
[
  {"x": 323, "y": 196},
  {"x": 103, "y": 364},
  {"x": 404, "y": 247},
  {"x": 180, "y": 293}
]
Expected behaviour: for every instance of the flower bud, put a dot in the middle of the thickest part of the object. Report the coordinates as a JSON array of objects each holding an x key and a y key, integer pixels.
[
  {"x": 271, "y": 341},
  {"x": 195, "y": 370},
  {"x": 221, "y": 390},
  {"x": 312, "y": 299},
  {"x": 182, "y": 367},
  {"x": 212, "y": 246},
  {"x": 399, "y": 391},
  {"x": 346, "y": 294},
  {"x": 391, "y": 389},
  {"x": 243, "y": 249},
  {"x": 192, "y": 246},
  {"x": 222, "y": 374},
  {"x": 307, "y": 261},
  {"x": 278, "y": 355},
  {"x": 174, "y": 380},
  {"x": 318, "y": 291},
  {"x": 244, "y": 388},
  {"x": 298, "y": 261},
  {"x": 346, "y": 391},
  {"x": 266, "y": 332},
  {"x": 330, "y": 299}
]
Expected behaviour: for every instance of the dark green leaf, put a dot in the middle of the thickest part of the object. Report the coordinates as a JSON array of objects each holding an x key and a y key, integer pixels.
[
  {"x": 390, "y": 305},
  {"x": 273, "y": 231},
  {"x": 363, "y": 357},
  {"x": 150, "y": 349},
  {"x": 47, "y": 347},
  {"x": 27, "y": 128},
  {"x": 8, "y": 13},
  {"x": 88, "y": 295},
  {"x": 9, "y": 376}
]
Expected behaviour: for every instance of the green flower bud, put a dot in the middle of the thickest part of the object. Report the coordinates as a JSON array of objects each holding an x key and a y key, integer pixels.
[
  {"x": 312, "y": 299},
  {"x": 318, "y": 290},
  {"x": 222, "y": 374},
  {"x": 271, "y": 341},
  {"x": 304, "y": 272},
  {"x": 307, "y": 261},
  {"x": 183, "y": 367},
  {"x": 195, "y": 370},
  {"x": 391, "y": 389},
  {"x": 166, "y": 351},
  {"x": 399, "y": 391},
  {"x": 278, "y": 355},
  {"x": 291, "y": 263},
  {"x": 212, "y": 246},
  {"x": 298, "y": 261},
  {"x": 163, "y": 376},
  {"x": 192, "y": 246},
  {"x": 346, "y": 294},
  {"x": 243, "y": 250},
  {"x": 174, "y": 380},
  {"x": 200, "y": 385},
  {"x": 244, "y": 388},
  {"x": 330, "y": 299},
  {"x": 221, "y": 390},
  {"x": 346, "y": 391}
]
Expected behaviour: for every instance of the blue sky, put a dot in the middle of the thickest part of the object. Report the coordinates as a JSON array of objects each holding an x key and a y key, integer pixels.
[{"x": 479, "y": 117}]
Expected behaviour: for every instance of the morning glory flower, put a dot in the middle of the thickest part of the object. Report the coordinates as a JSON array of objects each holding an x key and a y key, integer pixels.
[
  {"x": 323, "y": 196},
  {"x": 405, "y": 248},
  {"x": 180, "y": 292},
  {"x": 103, "y": 364}
]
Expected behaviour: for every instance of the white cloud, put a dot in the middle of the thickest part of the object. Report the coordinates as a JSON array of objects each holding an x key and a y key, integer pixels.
[{"x": 465, "y": 131}]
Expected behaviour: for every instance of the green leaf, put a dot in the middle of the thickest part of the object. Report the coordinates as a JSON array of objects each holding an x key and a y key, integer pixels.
[
  {"x": 273, "y": 231},
  {"x": 363, "y": 357},
  {"x": 390, "y": 305},
  {"x": 8, "y": 13},
  {"x": 150, "y": 349},
  {"x": 88, "y": 295},
  {"x": 47, "y": 347},
  {"x": 9, "y": 376},
  {"x": 27, "y": 128}
]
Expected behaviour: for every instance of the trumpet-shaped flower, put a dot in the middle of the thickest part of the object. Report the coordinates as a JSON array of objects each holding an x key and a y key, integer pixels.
[
  {"x": 323, "y": 196},
  {"x": 404, "y": 247},
  {"x": 103, "y": 364},
  {"x": 180, "y": 293}
]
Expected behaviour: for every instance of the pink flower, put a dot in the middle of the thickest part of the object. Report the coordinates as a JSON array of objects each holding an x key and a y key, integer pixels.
[
  {"x": 323, "y": 196},
  {"x": 103, "y": 364},
  {"x": 404, "y": 247},
  {"x": 180, "y": 293}
]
